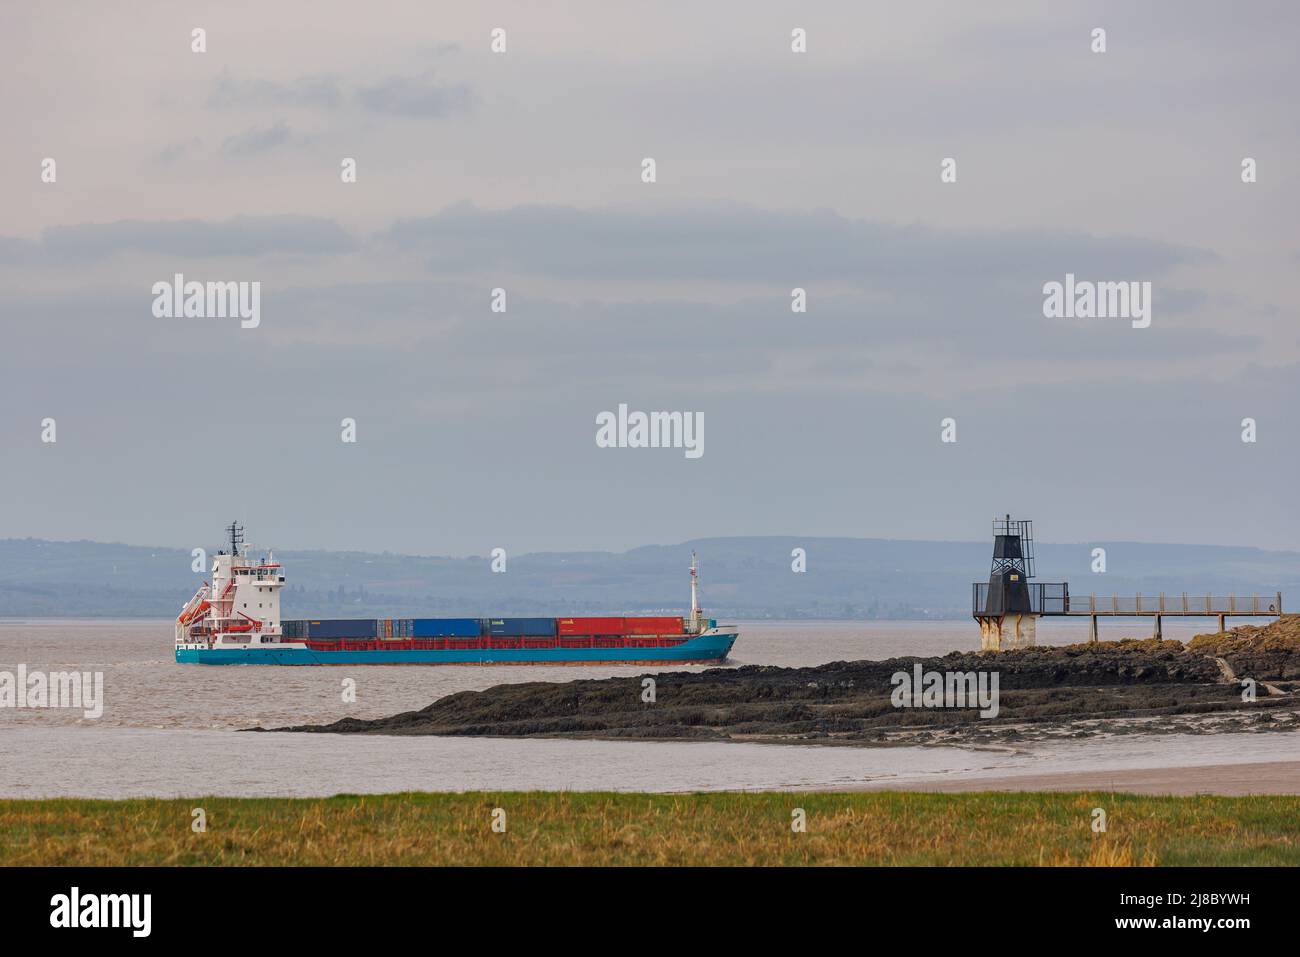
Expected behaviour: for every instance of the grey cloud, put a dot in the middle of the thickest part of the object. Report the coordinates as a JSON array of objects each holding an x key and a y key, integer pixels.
[
  {"x": 916, "y": 288},
  {"x": 240, "y": 236},
  {"x": 257, "y": 139},
  {"x": 673, "y": 343},
  {"x": 418, "y": 95},
  {"x": 319, "y": 92},
  {"x": 740, "y": 243},
  {"x": 14, "y": 251},
  {"x": 415, "y": 96},
  {"x": 173, "y": 152},
  {"x": 437, "y": 49}
]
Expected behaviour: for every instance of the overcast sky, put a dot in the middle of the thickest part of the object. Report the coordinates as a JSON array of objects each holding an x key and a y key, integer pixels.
[{"x": 522, "y": 170}]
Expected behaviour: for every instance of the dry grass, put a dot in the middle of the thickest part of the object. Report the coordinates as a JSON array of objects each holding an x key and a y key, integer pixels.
[{"x": 713, "y": 829}]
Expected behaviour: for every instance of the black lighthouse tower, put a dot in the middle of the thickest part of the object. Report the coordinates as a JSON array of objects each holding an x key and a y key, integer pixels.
[
  {"x": 1013, "y": 566},
  {"x": 1008, "y": 607}
]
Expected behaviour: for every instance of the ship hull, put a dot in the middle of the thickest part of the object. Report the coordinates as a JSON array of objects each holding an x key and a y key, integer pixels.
[{"x": 711, "y": 647}]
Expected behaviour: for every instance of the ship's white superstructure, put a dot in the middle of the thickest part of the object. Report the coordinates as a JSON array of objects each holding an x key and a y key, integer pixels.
[{"x": 239, "y": 607}]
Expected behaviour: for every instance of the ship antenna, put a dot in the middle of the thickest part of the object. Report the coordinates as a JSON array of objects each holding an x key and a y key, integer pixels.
[
  {"x": 236, "y": 537},
  {"x": 695, "y": 592}
]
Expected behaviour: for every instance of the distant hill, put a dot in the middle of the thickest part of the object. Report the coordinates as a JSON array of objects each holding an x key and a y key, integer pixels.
[{"x": 740, "y": 578}]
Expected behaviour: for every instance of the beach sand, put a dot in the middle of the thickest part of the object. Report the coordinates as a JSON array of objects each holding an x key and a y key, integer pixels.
[{"x": 1272, "y": 777}]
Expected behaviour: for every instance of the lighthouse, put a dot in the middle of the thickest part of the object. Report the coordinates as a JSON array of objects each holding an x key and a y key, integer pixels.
[{"x": 1006, "y": 608}]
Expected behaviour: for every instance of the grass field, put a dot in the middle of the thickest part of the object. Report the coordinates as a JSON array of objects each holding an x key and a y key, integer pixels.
[{"x": 601, "y": 828}]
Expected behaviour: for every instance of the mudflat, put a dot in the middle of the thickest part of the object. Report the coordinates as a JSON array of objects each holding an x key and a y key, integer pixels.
[{"x": 1245, "y": 680}]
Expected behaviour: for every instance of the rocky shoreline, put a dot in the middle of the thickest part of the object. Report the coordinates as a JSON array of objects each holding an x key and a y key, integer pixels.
[{"x": 1106, "y": 688}]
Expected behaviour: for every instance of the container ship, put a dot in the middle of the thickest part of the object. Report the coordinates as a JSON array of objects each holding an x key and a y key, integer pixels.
[{"x": 235, "y": 619}]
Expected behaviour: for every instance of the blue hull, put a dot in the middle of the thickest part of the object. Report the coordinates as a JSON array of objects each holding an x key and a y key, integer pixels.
[{"x": 703, "y": 648}]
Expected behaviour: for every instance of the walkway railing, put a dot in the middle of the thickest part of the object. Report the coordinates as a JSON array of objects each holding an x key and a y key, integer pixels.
[
  {"x": 1045, "y": 598},
  {"x": 1183, "y": 604},
  {"x": 1054, "y": 598}
]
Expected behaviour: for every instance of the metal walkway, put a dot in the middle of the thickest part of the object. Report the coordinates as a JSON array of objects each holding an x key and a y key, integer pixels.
[
  {"x": 1221, "y": 606},
  {"x": 1054, "y": 599}
]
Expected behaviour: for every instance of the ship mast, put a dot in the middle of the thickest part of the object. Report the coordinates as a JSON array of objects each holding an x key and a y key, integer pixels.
[{"x": 695, "y": 594}]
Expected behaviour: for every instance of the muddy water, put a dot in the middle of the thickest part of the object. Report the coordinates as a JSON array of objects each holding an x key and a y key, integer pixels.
[
  {"x": 169, "y": 729},
  {"x": 145, "y": 688}
]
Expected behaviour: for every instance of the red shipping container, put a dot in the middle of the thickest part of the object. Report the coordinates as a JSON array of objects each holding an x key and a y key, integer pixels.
[
  {"x": 590, "y": 626},
  {"x": 653, "y": 626}
]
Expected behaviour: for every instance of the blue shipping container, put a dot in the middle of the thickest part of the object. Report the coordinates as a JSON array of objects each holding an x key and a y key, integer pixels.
[
  {"x": 330, "y": 628},
  {"x": 515, "y": 627},
  {"x": 446, "y": 628}
]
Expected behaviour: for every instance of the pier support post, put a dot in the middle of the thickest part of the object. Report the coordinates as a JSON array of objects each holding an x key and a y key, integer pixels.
[
  {"x": 1223, "y": 623},
  {"x": 1092, "y": 628},
  {"x": 1157, "y": 634}
]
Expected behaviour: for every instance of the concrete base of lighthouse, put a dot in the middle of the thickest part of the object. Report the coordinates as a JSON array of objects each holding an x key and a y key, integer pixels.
[{"x": 1006, "y": 632}]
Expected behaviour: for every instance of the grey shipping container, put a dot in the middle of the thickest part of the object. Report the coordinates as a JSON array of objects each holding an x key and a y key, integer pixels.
[
  {"x": 535, "y": 627},
  {"x": 446, "y": 628}
]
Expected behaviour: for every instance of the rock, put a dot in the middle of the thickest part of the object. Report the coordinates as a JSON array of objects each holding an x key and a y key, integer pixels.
[{"x": 1043, "y": 688}]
